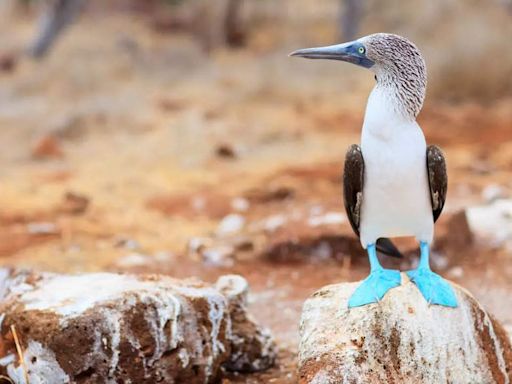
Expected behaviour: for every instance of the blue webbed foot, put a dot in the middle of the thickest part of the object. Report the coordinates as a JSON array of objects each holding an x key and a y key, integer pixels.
[
  {"x": 433, "y": 287},
  {"x": 374, "y": 287}
]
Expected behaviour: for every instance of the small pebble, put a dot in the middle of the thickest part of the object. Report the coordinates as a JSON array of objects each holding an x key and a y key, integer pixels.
[
  {"x": 274, "y": 222},
  {"x": 456, "y": 273},
  {"x": 218, "y": 257},
  {"x": 493, "y": 192},
  {"x": 42, "y": 228},
  {"x": 230, "y": 224},
  {"x": 330, "y": 218},
  {"x": 240, "y": 204},
  {"x": 134, "y": 260}
]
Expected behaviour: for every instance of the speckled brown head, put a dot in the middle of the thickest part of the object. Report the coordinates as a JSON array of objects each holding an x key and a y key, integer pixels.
[{"x": 397, "y": 63}]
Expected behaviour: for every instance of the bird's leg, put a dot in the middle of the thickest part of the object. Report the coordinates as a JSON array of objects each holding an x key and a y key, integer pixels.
[
  {"x": 433, "y": 287},
  {"x": 375, "y": 286}
]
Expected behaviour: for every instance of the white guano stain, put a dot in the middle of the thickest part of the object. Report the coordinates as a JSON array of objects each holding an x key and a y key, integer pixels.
[{"x": 42, "y": 367}]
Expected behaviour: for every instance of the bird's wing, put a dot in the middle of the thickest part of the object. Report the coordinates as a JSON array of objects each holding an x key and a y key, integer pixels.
[
  {"x": 353, "y": 182},
  {"x": 437, "y": 179}
]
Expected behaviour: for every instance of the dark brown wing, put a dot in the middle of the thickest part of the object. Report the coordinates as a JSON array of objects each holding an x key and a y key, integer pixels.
[
  {"x": 437, "y": 179},
  {"x": 353, "y": 183}
]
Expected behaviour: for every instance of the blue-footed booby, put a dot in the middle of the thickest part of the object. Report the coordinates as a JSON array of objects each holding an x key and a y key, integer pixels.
[{"x": 393, "y": 184}]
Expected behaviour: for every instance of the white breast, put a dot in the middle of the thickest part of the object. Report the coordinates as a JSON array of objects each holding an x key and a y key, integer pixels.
[{"x": 396, "y": 197}]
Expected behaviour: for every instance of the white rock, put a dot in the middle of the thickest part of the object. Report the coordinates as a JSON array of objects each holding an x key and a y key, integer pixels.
[
  {"x": 493, "y": 192},
  {"x": 127, "y": 243},
  {"x": 42, "y": 228},
  {"x": 133, "y": 260},
  {"x": 400, "y": 340},
  {"x": 493, "y": 221},
  {"x": 456, "y": 272},
  {"x": 273, "y": 223},
  {"x": 240, "y": 204},
  {"x": 164, "y": 256},
  {"x": 438, "y": 260},
  {"x": 195, "y": 244},
  {"x": 220, "y": 256},
  {"x": 198, "y": 203},
  {"x": 316, "y": 210},
  {"x": 322, "y": 251},
  {"x": 230, "y": 224},
  {"x": 330, "y": 218}
]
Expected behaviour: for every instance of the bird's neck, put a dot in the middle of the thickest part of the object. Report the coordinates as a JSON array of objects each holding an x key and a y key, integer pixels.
[
  {"x": 404, "y": 87},
  {"x": 386, "y": 115}
]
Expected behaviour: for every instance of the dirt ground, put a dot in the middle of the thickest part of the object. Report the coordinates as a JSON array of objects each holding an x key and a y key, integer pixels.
[{"x": 131, "y": 150}]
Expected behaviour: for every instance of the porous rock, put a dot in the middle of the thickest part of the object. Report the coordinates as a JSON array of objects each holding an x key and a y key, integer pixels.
[
  {"x": 110, "y": 328},
  {"x": 401, "y": 339},
  {"x": 253, "y": 348}
]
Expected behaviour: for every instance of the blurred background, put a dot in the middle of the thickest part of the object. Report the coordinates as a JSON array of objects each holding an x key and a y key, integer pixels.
[{"x": 178, "y": 137}]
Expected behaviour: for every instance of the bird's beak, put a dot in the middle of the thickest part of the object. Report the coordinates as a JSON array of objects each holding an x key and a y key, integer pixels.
[{"x": 344, "y": 52}]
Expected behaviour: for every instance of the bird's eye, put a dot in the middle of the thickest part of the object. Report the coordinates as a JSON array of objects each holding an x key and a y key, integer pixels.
[{"x": 361, "y": 50}]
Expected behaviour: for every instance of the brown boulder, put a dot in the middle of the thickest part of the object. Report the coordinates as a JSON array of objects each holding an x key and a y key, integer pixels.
[
  {"x": 400, "y": 340},
  {"x": 106, "y": 328}
]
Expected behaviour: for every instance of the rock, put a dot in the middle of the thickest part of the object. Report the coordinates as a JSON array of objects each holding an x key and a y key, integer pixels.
[
  {"x": 8, "y": 62},
  {"x": 493, "y": 192},
  {"x": 330, "y": 218},
  {"x": 106, "y": 328},
  {"x": 226, "y": 151},
  {"x": 240, "y": 204},
  {"x": 47, "y": 146},
  {"x": 453, "y": 240},
  {"x": 127, "y": 243},
  {"x": 211, "y": 253},
  {"x": 459, "y": 235},
  {"x": 400, "y": 340},
  {"x": 42, "y": 228},
  {"x": 197, "y": 244},
  {"x": 252, "y": 346},
  {"x": 134, "y": 260},
  {"x": 273, "y": 223},
  {"x": 69, "y": 126},
  {"x": 230, "y": 224},
  {"x": 492, "y": 222},
  {"x": 219, "y": 256},
  {"x": 74, "y": 203}
]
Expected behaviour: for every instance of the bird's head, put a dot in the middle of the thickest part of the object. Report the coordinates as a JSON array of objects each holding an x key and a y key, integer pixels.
[{"x": 396, "y": 62}]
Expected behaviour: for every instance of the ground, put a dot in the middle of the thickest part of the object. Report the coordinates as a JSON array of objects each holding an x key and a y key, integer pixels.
[{"x": 129, "y": 149}]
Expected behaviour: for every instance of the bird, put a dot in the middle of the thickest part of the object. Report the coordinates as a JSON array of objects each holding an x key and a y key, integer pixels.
[
  {"x": 394, "y": 185},
  {"x": 56, "y": 17}
]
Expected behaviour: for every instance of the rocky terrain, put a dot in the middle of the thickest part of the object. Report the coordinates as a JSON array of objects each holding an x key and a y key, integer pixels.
[{"x": 129, "y": 149}]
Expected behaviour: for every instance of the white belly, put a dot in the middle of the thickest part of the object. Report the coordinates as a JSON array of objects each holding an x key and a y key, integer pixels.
[{"x": 396, "y": 197}]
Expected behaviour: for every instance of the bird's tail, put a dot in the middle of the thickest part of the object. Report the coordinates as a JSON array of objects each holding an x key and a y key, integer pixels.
[{"x": 385, "y": 246}]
